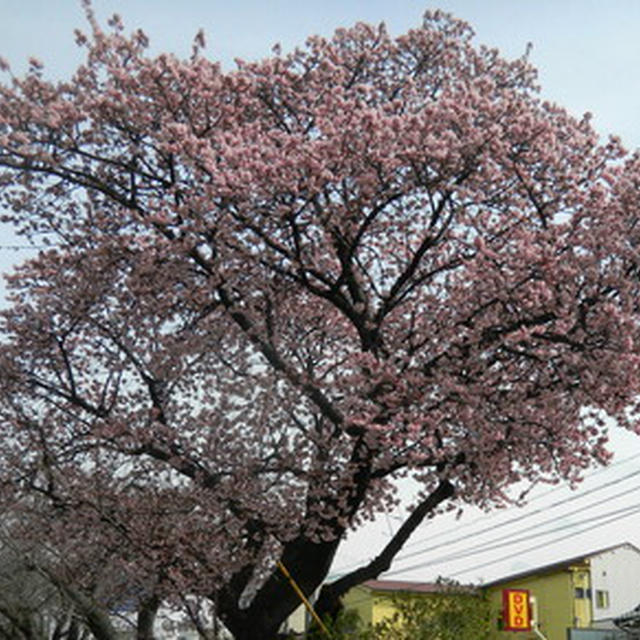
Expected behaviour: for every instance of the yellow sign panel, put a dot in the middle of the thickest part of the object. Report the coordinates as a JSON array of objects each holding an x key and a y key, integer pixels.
[{"x": 516, "y": 610}]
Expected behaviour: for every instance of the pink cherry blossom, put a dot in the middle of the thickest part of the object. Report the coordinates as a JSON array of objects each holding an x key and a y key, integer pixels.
[{"x": 273, "y": 292}]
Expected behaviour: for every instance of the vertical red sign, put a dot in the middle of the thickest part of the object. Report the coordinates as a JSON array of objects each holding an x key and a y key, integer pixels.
[{"x": 516, "y": 610}]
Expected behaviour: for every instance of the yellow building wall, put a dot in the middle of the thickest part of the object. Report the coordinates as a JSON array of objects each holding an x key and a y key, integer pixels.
[
  {"x": 371, "y": 606},
  {"x": 557, "y": 607},
  {"x": 360, "y": 600},
  {"x": 374, "y": 607}
]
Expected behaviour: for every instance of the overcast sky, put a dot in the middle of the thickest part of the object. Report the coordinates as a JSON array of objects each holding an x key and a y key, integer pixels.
[{"x": 588, "y": 56}]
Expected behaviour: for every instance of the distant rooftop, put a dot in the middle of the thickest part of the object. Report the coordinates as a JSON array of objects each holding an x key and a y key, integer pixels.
[
  {"x": 562, "y": 564},
  {"x": 405, "y": 586}
]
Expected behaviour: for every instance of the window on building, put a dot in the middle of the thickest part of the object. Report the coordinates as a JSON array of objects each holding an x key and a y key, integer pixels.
[
  {"x": 602, "y": 599},
  {"x": 579, "y": 592}
]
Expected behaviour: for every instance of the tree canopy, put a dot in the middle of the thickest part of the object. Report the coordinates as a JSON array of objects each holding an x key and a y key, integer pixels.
[{"x": 271, "y": 293}]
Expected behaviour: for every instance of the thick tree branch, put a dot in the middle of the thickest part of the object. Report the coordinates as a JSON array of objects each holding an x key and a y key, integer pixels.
[{"x": 332, "y": 592}]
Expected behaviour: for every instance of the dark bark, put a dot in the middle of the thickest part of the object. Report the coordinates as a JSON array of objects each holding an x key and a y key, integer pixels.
[
  {"x": 75, "y": 631},
  {"x": 19, "y": 623},
  {"x": 309, "y": 562},
  {"x": 329, "y": 600},
  {"x": 146, "y": 617}
]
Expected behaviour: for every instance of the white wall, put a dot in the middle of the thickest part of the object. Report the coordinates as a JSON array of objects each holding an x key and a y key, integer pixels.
[{"x": 618, "y": 572}]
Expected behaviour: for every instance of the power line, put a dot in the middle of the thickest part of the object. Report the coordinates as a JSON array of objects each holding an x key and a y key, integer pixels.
[
  {"x": 616, "y": 514},
  {"x": 575, "y": 496},
  {"x": 545, "y": 544},
  {"x": 559, "y": 503},
  {"x": 22, "y": 247},
  {"x": 519, "y": 518}
]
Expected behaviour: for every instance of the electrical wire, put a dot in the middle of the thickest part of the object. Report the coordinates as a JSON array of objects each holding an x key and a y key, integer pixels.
[
  {"x": 575, "y": 496},
  {"x": 573, "y": 534},
  {"x": 24, "y": 247},
  {"x": 518, "y": 518},
  {"x": 496, "y": 544}
]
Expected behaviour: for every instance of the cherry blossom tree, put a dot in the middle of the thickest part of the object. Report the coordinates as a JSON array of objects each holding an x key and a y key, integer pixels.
[
  {"x": 271, "y": 294},
  {"x": 54, "y": 588},
  {"x": 31, "y": 608}
]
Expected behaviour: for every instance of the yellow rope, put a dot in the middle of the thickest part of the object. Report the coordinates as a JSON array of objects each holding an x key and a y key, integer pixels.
[{"x": 304, "y": 599}]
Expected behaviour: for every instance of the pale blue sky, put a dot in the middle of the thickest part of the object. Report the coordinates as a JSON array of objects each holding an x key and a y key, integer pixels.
[
  {"x": 588, "y": 51},
  {"x": 588, "y": 54}
]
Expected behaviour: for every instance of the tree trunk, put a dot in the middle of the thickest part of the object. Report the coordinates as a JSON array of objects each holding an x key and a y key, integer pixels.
[
  {"x": 329, "y": 600},
  {"x": 308, "y": 563},
  {"x": 146, "y": 617}
]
